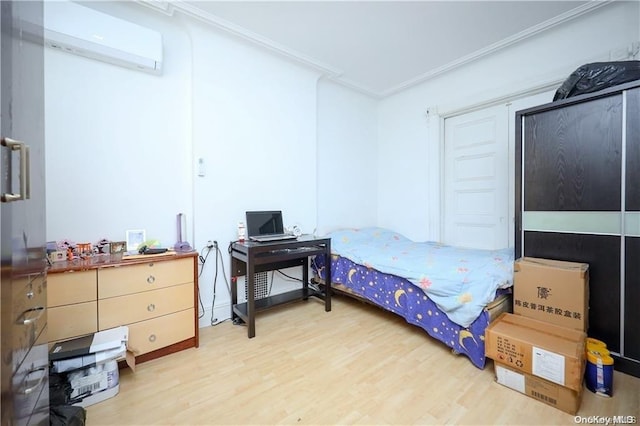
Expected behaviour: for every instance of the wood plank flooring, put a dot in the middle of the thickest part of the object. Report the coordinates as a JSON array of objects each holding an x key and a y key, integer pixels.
[{"x": 354, "y": 365}]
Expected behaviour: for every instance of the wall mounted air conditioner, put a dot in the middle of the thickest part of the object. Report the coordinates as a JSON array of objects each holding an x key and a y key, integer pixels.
[{"x": 76, "y": 29}]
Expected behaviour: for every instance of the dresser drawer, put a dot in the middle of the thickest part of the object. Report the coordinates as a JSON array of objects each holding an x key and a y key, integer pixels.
[
  {"x": 66, "y": 288},
  {"x": 122, "y": 310},
  {"x": 70, "y": 321},
  {"x": 41, "y": 412},
  {"x": 28, "y": 292},
  {"x": 28, "y": 314},
  {"x": 30, "y": 381},
  {"x": 127, "y": 279},
  {"x": 147, "y": 336}
]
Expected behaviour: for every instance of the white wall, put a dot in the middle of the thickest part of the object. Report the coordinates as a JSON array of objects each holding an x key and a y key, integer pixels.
[
  {"x": 123, "y": 146},
  {"x": 254, "y": 126},
  {"x": 118, "y": 141},
  {"x": 408, "y": 197},
  {"x": 347, "y": 158}
]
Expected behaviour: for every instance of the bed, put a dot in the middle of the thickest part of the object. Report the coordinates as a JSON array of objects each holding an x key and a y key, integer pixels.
[{"x": 451, "y": 293}]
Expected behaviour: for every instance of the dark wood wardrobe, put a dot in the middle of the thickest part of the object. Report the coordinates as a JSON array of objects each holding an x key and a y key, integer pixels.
[{"x": 578, "y": 199}]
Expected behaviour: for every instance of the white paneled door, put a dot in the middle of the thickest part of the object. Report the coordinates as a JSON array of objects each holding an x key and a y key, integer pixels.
[
  {"x": 478, "y": 200},
  {"x": 476, "y": 179}
]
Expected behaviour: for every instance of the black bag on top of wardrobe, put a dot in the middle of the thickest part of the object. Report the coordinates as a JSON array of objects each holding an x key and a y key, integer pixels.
[{"x": 597, "y": 76}]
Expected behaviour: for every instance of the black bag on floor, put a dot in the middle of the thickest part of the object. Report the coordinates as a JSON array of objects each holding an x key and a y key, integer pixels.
[
  {"x": 67, "y": 415},
  {"x": 61, "y": 413},
  {"x": 597, "y": 76},
  {"x": 59, "y": 389}
]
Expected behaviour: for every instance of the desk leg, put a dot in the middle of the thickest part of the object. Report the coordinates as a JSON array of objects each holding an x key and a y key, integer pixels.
[
  {"x": 327, "y": 287},
  {"x": 234, "y": 289},
  {"x": 251, "y": 302},
  {"x": 305, "y": 275}
]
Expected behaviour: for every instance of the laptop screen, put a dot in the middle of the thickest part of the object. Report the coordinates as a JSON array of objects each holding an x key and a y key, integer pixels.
[{"x": 264, "y": 223}]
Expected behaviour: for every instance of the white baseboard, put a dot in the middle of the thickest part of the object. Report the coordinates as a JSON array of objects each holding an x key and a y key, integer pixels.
[{"x": 221, "y": 312}]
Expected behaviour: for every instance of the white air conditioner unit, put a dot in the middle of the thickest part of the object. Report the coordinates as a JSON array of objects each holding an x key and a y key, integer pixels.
[{"x": 76, "y": 29}]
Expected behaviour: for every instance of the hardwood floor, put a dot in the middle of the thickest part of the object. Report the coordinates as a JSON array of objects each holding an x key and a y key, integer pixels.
[{"x": 354, "y": 365}]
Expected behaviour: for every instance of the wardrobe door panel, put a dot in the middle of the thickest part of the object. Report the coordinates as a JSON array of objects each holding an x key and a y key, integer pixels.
[
  {"x": 633, "y": 151},
  {"x": 602, "y": 253},
  {"x": 632, "y": 299},
  {"x": 632, "y": 228},
  {"x": 573, "y": 157}
]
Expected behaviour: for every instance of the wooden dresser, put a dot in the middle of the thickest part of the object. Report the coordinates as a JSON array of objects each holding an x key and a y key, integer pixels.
[{"x": 156, "y": 296}]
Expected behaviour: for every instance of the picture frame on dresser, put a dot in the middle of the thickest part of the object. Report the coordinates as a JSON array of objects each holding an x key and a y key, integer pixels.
[
  {"x": 116, "y": 247},
  {"x": 135, "y": 237}
]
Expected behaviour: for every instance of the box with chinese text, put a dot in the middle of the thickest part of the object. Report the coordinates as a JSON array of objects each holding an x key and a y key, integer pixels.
[{"x": 553, "y": 291}]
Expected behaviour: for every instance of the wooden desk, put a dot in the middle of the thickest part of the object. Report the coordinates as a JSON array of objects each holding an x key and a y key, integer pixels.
[{"x": 248, "y": 258}]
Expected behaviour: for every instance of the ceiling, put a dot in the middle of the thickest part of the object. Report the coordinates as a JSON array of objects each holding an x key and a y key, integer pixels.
[{"x": 381, "y": 47}]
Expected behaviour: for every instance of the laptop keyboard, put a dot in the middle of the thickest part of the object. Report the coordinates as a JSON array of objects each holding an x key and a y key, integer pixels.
[{"x": 274, "y": 237}]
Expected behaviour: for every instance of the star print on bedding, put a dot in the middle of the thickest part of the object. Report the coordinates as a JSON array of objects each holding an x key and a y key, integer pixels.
[{"x": 460, "y": 281}]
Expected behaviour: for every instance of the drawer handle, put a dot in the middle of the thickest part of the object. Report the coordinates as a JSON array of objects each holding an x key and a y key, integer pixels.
[
  {"x": 152, "y": 338},
  {"x": 151, "y": 279},
  {"x": 27, "y": 321},
  {"x": 151, "y": 307},
  {"x": 30, "y": 294},
  {"x": 43, "y": 374}
]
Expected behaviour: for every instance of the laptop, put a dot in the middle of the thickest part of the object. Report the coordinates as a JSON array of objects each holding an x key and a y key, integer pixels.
[{"x": 264, "y": 226}]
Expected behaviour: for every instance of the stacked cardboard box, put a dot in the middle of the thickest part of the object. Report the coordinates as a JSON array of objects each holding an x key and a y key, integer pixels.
[
  {"x": 540, "y": 349},
  {"x": 552, "y": 291},
  {"x": 541, "y": 360}
]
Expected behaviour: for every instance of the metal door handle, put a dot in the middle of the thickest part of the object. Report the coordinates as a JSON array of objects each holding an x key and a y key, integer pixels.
[{"x": 25, "y": 179}]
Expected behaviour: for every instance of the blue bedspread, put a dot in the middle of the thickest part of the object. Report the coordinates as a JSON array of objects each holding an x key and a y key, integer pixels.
[{"x": 461, "y": 282}]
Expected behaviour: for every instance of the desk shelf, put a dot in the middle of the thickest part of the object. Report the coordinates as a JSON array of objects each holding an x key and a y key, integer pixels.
[{"x": 279, "y": 299}]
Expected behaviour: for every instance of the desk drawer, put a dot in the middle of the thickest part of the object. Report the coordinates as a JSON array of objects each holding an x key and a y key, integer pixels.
[
  {"x": 121, "y": 280},
  {"x": 122, "y": 310},
  {"x": 66, "y": 288},
  {"x": 147, "y": 336},
  {"x": 70, "y": 321}
]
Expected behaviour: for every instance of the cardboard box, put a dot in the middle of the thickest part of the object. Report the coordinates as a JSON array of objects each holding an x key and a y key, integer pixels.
[
  {"x": 98, "y": 397},
  {"x": 560, "y": 397},
  {"x": 554, "y": 353},
  {"x": 94, "y": 384},
  {"x": 553, "y": 291}
]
